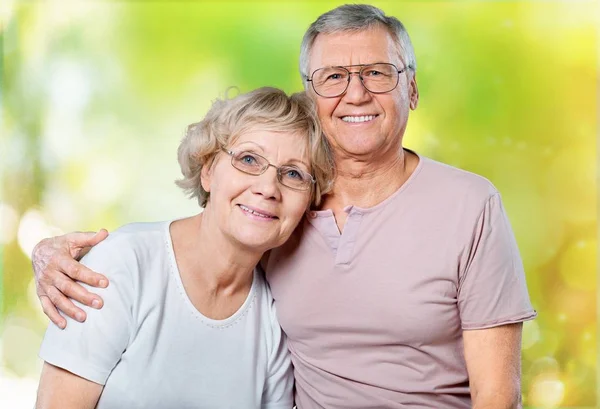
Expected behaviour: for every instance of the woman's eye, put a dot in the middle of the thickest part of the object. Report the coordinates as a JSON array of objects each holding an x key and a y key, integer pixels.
[
  {"x": 294, "y": 174},
  {"x": 248, "y": 159}
]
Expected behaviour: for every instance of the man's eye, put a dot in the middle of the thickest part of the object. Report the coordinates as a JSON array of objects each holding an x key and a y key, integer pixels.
[
  {"x": 336, "y": 76},
  {"x": 373, "y": 73}
]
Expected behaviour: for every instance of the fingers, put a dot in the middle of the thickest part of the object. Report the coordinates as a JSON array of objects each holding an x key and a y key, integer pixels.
[
  {"x": 77, "y": 271},
  {"x": 53, "y": 264},
  {"x": 80, "y": 272},
  {"x": 78, "y": 240},
  {"x": 57, "y": 255},
  {"x": 52, "y": 313},
  {"x": 65, "y": 305},
  {"x": 77, "y": 292},
  {"x": 98, "y": 237}
]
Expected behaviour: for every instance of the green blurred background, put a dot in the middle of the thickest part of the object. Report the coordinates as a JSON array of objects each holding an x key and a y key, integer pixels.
[{"x": 96, "y": 95}]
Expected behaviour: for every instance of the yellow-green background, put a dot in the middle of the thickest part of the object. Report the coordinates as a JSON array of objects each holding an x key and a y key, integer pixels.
[{"x": 95, "y": 97}]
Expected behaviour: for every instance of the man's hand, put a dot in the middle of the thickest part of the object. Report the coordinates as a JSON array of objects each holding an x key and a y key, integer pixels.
[{"x": 56, "y": 267}]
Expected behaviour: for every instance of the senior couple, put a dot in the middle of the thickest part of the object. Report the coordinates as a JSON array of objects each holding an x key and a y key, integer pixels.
[{"x": 394, "y": 281}]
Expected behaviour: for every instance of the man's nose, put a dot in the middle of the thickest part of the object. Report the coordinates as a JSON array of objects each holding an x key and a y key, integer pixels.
[{"x": 356, "y": 91}]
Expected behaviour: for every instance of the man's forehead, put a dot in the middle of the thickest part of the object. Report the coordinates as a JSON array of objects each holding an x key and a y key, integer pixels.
[{"x": 351, "y": 47}]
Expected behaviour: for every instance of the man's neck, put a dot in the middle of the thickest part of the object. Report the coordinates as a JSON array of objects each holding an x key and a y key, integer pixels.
[{"x": 366, "y": 184}]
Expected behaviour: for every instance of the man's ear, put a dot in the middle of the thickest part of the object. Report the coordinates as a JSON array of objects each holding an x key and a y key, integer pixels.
[{"x": 414, "y": 92}]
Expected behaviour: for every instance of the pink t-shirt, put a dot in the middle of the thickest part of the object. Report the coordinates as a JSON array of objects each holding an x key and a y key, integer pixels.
[{"x": 375, "y": 316}]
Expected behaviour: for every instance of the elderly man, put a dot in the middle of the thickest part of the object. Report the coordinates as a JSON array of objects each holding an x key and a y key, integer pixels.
[{"x": 405, "y": 288}]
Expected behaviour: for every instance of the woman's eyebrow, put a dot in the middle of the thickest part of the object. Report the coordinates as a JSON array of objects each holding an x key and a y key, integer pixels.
[
  {"x": 298, "y": 162},
  {"x": 253, "y": 143},
  {"x": 288, "y": 161}
]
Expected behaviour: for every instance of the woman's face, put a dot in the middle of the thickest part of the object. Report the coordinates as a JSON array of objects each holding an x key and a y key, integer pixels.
[{"x": 258, "y": 212}]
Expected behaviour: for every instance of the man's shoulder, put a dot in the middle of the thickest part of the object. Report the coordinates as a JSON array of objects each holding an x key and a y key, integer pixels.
[{"x": 448, "y": 178}]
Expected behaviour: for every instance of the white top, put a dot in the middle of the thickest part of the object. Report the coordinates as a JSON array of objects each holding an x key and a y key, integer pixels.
[{"x": 152, "y": 348}]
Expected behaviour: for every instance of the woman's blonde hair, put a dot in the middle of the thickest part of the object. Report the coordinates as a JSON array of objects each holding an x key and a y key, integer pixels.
[{"x": 265, "y": 108}]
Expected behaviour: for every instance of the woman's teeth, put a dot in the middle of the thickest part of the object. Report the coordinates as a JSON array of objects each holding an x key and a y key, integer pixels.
[
  {"x": 248, "y": 210},
  {"x": 356, "y": 119}
]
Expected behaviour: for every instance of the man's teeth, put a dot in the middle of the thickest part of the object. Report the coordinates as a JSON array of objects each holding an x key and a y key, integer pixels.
[
  {"x": 358, "y": 118},
  {"x": 244, "y": 208}
]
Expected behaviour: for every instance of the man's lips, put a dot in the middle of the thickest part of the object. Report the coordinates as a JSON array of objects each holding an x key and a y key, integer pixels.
[
  {"x": 258, "y": 212},
  {"x": 354, "y": 119}
]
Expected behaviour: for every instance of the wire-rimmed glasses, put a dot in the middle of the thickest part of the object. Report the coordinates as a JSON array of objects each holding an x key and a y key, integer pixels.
[
  {"x": 379, "y": 78},
  {"x": 255, "y": 164}
]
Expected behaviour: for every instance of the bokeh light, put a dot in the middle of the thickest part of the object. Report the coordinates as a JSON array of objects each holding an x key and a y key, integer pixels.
[
  {"x": 95, "y": 97},
  {"x": 9, "y": 220},
  {"x": 33, "y": 227}
]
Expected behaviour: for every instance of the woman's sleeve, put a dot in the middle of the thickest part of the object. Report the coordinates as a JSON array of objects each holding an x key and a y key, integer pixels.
[
  {"x": 492, "y": 289},
  {"x": 93, "y": 348}
]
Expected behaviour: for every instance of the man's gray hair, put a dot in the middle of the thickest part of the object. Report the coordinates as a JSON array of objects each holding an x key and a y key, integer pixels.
[{"x": 354, "y": 18}]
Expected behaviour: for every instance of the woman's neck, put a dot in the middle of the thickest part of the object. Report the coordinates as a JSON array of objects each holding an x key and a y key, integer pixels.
[{"x": 211, "y": 259}]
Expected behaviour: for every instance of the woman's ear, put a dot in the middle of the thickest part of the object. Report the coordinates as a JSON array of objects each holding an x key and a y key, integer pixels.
[{"x": 205, "y": 176}]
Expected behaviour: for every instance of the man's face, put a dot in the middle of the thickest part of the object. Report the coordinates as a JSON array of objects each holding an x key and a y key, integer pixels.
[{"x": 384, "y": 116}]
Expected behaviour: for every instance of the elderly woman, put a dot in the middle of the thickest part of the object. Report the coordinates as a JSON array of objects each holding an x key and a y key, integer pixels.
[{"x": 187, "y": 320}]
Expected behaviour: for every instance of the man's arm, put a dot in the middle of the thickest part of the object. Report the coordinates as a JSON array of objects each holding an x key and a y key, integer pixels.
[
  {"x": 55, "y": 268},
  {"x": 493, "y": 357},
  {"x": 62, "y": 389}
]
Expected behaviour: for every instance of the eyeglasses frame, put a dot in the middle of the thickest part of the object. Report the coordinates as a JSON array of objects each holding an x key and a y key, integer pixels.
[
  {"x": 277, "y": 169},
  {"x": 345, "y": 67}
]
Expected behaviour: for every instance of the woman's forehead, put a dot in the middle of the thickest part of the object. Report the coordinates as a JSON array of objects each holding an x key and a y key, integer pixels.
[{"x": 286, "y": 144}]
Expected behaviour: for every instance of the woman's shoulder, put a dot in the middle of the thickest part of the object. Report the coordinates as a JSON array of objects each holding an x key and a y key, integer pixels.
[
  {"x": 141, "y": 230},
  {"x": 136, "y": 235},
  {"x": 132, "y": 246}
]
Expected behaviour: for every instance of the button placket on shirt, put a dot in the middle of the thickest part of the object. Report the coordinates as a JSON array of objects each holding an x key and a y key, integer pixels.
[
  {"x": 349, "y": 236},
  {"x": 342, "y": 245}
]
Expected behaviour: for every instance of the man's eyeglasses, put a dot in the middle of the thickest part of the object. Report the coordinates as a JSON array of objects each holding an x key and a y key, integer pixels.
[
  {"x": 330, "y": 82},
  {"x": 254, "y": 164}
]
